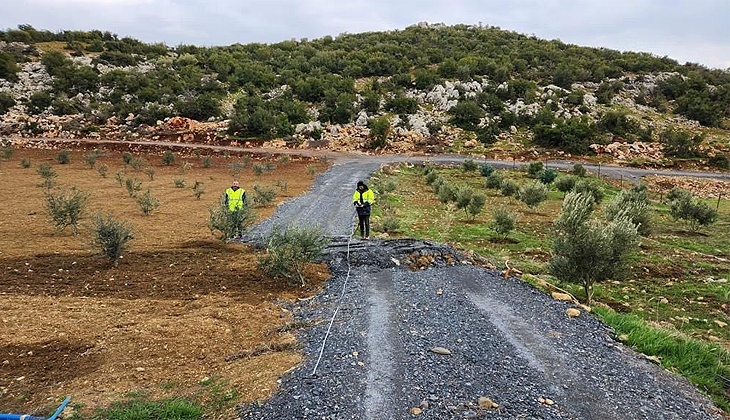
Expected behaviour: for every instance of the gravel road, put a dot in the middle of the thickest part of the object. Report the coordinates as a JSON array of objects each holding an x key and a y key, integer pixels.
[{"x": 508, "y": 341}]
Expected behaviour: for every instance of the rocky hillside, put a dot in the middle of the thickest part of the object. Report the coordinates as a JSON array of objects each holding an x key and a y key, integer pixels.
[{"x": 428, "y": 88}]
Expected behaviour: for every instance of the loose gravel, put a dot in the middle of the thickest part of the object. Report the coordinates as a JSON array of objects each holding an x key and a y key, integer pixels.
[{"x": 508, "y": 341}]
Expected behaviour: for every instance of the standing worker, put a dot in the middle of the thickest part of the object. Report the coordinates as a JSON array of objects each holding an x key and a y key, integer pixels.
[
  {"x": 235, "y": 197},
  {"x": 362, "y": 199}
]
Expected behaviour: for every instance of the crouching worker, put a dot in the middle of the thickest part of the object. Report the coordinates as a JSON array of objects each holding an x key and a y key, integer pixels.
[{"x": 362, "y": 199}]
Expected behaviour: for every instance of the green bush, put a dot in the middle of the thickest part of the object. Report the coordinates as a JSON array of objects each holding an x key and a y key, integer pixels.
[
  {"x": 533, "y": 194},
  {"x": 632, "y": 205},
  {"x": 48, "y": 174},
  {"x": 227, "y": 224},
  {"x": 719, "y": 161},
  {"x": 91, "y": 157},
  {"x": 389, "y": 222},
  {"x": 128, "y": 158},
  {"x": 258, "y": 169},
  {"x": 680, "y": 143},
  {"x": 103, "y": 169},
  {"x": 579, "y": 170},
  {"x": 486, "y": 170},
  {"x": 67, "y": 207},
  {"x": 446, "y": 193},
  {"x": 207, "y": 162},
  {"x": 147, "y": 203},
  {"x": 508, "y": 187},
  {"x": 6, "y": 102},
  {"x": 437, "y": 183},
  {"x": 150, "y": 171},
  {"x": 547, "y": 176},
  {"x": 133, "y": 186},
  {"x": 565, "y": 184},
  {"x": 590, "y": 187},
  {"x": 692, "y": 210},
  {"x": 25, "y": 163},
  {"x": 63, "y": 157},
  {"x": 469, "y": 166},
  {"x": 179, "y": 183},
  {"x": 119, "y": 177},
  {"x": 534, "y": 169},
  {"x": 431, "y": 177},
  {"x": 494, "y": 181},
  {"x": 262, "y": 196},
  {"x": 168, "y": 158},
  {"x": 585, "y": 251},
  {"x": 462, "y": 196},
  {"x": 289, "y": 250},
  {"x": 476, "y": 205},
  {"x": 379, "y": 131},
  {"x": 7, "y": 152},
  {"x": 503, "y": 221},
  {"x": 138, "y": 164},
  {"x": 111, "y": 236},
  {"x": 198, "y": 190}
]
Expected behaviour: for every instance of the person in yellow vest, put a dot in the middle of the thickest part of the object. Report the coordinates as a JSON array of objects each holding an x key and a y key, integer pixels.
[
  {"x": 235, "y": 197},
  {"x": 363, "y": 199}
]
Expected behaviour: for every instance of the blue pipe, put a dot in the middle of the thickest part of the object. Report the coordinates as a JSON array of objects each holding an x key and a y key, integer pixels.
[{"x": 28, "y": 417}]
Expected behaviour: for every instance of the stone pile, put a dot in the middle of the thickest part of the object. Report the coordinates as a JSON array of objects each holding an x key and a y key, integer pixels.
[{"x": 623, "y": 151}]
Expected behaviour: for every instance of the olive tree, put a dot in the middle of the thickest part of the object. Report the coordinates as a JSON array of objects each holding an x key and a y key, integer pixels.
[{"x": 587, "y": 251}]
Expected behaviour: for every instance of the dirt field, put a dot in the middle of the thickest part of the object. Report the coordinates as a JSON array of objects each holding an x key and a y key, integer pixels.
[{"x": 166, "y": 320}]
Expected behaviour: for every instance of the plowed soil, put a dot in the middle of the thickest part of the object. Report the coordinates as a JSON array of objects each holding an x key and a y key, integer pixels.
[{"x": 165, "y": 321}]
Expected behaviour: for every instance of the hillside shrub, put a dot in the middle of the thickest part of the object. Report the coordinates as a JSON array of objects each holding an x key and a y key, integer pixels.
[
  {"x": 508, "y": 187},
  {"x": 533, "y": 194},
  {"x": 503, "y": 221},
  {"x": 111, "y": 236},
  {"x": 147, "y": 203},
  {"x": 289, "y": 250},
  {"x": 66, "y": 207}
]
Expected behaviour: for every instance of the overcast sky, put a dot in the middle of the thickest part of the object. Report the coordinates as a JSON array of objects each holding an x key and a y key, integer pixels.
[{"x": 687, "y": 30}]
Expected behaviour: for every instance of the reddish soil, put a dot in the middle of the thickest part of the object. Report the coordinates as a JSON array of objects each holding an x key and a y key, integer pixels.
[{"x": 179, "y": 304}]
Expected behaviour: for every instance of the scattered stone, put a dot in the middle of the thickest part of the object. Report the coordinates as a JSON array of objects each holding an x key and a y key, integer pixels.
[
  {"x": 546, "y": 401},
  {"x": 139, "y": 369},
  {"x": 561, "y": 296},
  {"x": 720, "y": 323},
  {"x": 441, "y": 350},
  {"x": 423, "y": 405},
  {"x": 485, "y": 402},
  {"x": 623, "y": 338},
  {"x": 664, "y": 300},
  {"x": 572, "y": 312},
  {"x": 416, "y": 411},
  {"x": 440, "y": 292}
]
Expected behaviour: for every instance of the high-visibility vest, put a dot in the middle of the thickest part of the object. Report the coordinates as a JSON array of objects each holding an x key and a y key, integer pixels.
[
  {"x": 235, "y": 198},
  {"x": 367, "y": 196}
]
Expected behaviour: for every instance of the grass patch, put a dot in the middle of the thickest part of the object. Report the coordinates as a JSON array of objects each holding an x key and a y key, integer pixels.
[
  {"x": 706, "y": 365},
  {"x": 140, "y": 408}
]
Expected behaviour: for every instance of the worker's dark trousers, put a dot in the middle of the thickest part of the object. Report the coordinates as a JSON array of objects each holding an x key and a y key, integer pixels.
[{"x": 364, "y": 224}]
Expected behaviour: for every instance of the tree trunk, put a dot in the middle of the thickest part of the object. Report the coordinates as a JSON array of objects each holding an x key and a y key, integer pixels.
[{"x": 588, "y": 290}]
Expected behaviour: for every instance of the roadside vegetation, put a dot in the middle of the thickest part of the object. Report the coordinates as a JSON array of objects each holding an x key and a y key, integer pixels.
[{"x": 671, "y": 298}]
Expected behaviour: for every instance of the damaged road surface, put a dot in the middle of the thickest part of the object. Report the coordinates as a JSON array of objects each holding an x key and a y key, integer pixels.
[{"x": 454, "y": 340}]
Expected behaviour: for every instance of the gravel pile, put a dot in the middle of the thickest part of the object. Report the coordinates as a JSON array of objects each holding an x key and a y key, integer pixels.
[{"x": 512, "y": 352}]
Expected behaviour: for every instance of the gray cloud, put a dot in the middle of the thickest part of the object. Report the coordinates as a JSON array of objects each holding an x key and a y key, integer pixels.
[{"x": 694, "y": 31}]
